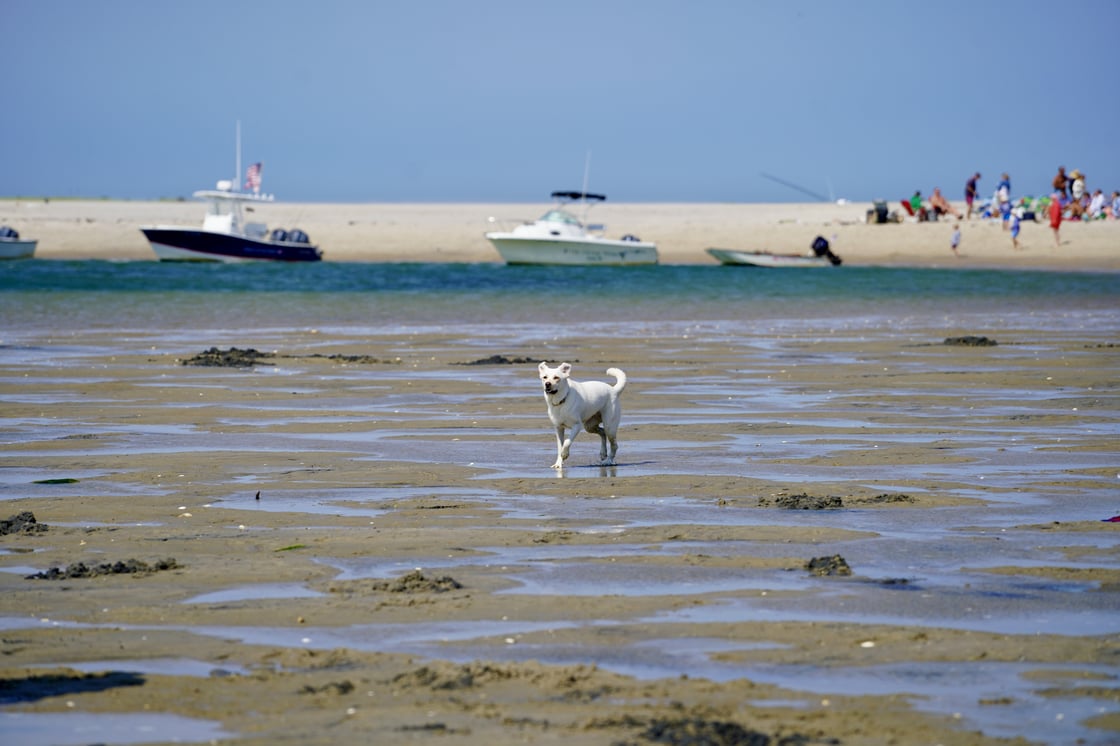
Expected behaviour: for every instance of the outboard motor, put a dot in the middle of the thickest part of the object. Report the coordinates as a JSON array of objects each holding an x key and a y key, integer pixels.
[
  {"x": 279, "y": 234},
  {"x": 7, "y": 231},
  {"x": 295, "y": 235},
  {"x": 821, "y": 248}
]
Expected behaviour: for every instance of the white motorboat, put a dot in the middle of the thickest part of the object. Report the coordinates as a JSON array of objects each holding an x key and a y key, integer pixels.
[
  {"x": 559, "y": 237},
  {"x": 224, "y": 235},
  {"x": 821, "y": 256},
  {"x": 14, "y": 247}
]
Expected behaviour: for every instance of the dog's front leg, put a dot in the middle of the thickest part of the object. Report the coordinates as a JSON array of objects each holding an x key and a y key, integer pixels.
[{"x": 563, "y": 445}]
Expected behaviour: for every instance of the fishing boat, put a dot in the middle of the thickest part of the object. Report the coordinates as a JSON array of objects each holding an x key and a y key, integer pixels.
[
  {"x": 225, "y": 236},
  {"x": 14, "y": 247},
  {"x": 821, "y": 256},
  {"x": 559, "y": 237}
]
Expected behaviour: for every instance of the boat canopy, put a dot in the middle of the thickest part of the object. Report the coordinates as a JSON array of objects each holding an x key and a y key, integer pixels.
[
  {"x": 216, "y": 195},
  {"x": 578, "y": 196}
]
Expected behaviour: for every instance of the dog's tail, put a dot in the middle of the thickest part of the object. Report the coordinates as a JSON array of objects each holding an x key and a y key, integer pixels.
[{"x": 620, "y": 384}]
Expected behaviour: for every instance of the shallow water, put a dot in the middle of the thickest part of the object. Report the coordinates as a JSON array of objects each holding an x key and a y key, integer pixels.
[
  {"x": 1018, "y": 455},
  {"x": 81, "y": 728}
]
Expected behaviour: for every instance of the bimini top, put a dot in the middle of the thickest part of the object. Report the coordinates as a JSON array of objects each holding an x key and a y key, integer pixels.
[
  {"x": 224, "y": 191},
  {"x": 578, "y": 196}
]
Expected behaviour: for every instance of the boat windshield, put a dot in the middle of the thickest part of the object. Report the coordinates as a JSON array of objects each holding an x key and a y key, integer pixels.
[
  {"x": 560, "y": 216},
  {"x": 219, "y": 207}
]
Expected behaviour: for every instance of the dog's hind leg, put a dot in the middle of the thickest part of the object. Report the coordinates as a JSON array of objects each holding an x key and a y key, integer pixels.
[
  {"x": 603, "y": 445},
  {"x": 614, "y": 449}
]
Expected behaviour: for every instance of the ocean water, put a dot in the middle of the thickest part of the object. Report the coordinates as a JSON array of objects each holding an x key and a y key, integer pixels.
[{"x": 36, "y": 295}]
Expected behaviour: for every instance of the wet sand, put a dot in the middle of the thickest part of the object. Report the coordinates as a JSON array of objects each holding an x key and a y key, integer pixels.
[
  {"x": 84, "y": 229},
  {"x": 299, "y": 497}
]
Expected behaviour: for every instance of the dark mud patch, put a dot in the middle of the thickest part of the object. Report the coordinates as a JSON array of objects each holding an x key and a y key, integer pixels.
[
  {"x": 358, "y": 359},
  {"x": 335, "y": 688},
  {"x": 418, "y": 582},
  {"x": 499, "y": 360},
  {"x": 567, "y": 684},
  {"x": 687, "y": 732},
  {"x": 32, "y": 688},
  {"x": 805, "y": 501},
  {"x": 698, "y": 731},
  {"x": 235, "y": 357},
  {"x": 22, "y": 523},
  {"x": 121, "y": 567},
  {"x": 802, "y": 501},
  {"x": 970, "y": 341},
  {"x": 461, "y": 677},
  {"x": 826, "y": 566},
  {"x": 231, "y": 358},
  {"x": 885, "y": 498}
]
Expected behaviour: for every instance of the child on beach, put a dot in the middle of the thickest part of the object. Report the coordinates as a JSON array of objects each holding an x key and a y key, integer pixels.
[
  {"x": 1056, "y": 217},
  {"x": 1014, "y": 221},
  {"x": 955, "y": 241}
]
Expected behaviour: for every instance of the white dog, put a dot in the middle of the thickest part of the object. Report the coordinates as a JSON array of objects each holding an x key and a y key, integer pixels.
[{"x": 593, "y": 405}]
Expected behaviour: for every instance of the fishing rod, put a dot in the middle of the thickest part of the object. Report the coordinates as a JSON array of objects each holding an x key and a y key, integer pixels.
[{"x": 791, "y": 185}]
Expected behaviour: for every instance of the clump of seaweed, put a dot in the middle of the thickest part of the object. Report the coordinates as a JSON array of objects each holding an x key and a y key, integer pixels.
[
  {"x": 125, "y": 567},
  {"x": 803, "y": 501},
  {"x": 417, "y": 582},
  {"x": 232, "y": 358},
  {"x": 824, "y": 566},
  {"x": 970, "y": 340},
  {"x": 22, "y": 523}
]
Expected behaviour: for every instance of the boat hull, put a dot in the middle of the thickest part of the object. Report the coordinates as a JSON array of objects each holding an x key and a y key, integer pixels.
[
  {"x": 17, "y": 248},
  {"x": 597, "y": 252},
  {"x": 193, "y": 245},
  {"x": 767, "y": 259}
]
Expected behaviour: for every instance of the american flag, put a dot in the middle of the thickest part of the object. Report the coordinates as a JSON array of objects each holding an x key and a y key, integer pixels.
[{"x": 253, "y": 177}]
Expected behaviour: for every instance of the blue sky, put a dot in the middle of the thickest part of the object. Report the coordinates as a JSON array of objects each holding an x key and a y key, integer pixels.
[{"x": 501, "y": 101}]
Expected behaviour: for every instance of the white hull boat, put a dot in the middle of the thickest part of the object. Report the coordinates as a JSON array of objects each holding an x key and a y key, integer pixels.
[
  {"x": 822, "y": 256},
  {"x": 14, "y": 247},
  {"x": 559, "y": 237}
]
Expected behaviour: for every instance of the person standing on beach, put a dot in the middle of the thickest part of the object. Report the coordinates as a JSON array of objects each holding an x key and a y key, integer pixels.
[
  {"x": 1013, "y": 219},
  {"x": 1077, "y": 195},
  {"x": 1061, "y": 182},
  {"x": 970, "y": 193},
  {"x": 955, "y": 241},
  {"x": 1003, "y": 198},
  {"x": 1056, "y": 216}
]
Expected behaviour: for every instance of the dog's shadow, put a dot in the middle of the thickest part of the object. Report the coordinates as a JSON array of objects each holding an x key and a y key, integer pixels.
[{"x": 604, "y": 471}]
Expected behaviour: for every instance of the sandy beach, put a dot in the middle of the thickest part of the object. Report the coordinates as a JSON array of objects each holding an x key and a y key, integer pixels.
[{"x": 87, "y": 229}]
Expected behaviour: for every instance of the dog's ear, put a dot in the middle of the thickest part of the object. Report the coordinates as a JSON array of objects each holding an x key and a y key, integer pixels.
[
  {"x": 542, "y": 367},
  {"x": 565, "y": 368}
]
